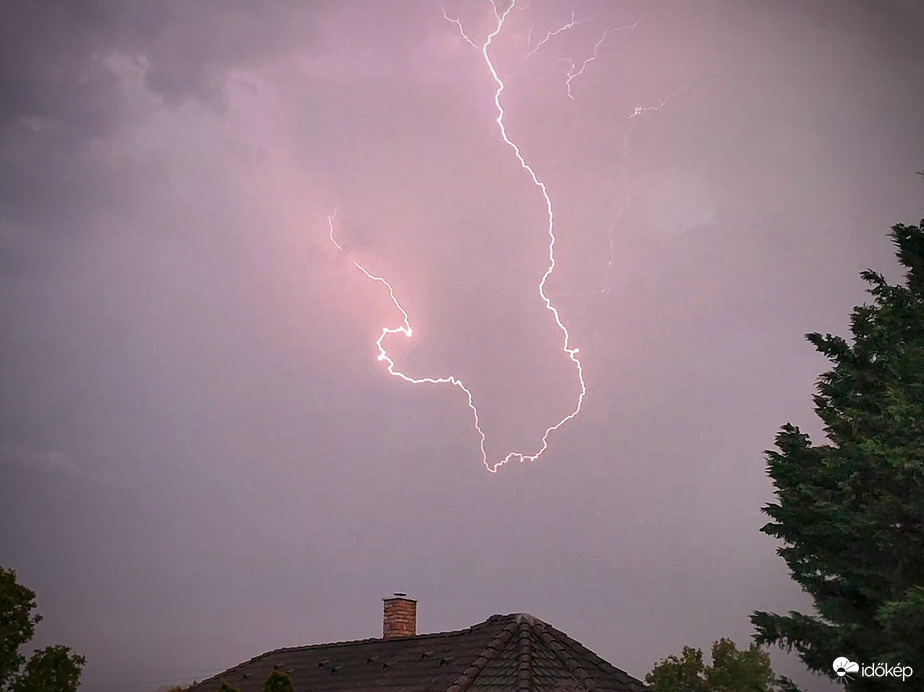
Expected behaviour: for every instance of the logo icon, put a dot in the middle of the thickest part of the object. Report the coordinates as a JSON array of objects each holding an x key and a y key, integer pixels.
[{"x": 843, "y": 665}]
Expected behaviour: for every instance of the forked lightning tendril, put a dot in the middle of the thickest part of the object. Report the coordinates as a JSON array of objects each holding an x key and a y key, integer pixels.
[
  {"x": 405, "y": 327},
  {"x": 549, "y": 35},
  {"x": 639, "y": 108},
  {"x": 408, "y": 331},
  {"x": 573, "y": 70}
]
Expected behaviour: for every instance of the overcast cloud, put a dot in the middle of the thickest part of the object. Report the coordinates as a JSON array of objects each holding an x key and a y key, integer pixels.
[{"x": 201, "y": 458}]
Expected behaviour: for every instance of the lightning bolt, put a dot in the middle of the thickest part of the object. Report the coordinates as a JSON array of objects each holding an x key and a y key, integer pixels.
[
  {"x": 408, "y": 331},
  {"x": 405, "y": 326},
  {"x": 574, "y": 71},
  {"x": 566, "y": 336}
]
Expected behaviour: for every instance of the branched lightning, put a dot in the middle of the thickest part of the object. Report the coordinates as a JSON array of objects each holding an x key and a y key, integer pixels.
[
  {"x": 566, "y": 336},
  {"x": 408, "y": 331},
  {"x": 574, "y": 71},
  {"x": 552, "y": 34},
  {"x": 405, "y": 327}
]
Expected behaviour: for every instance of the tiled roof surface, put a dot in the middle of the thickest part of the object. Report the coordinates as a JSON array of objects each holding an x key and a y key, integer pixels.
[{"x": 506, "y": 652}]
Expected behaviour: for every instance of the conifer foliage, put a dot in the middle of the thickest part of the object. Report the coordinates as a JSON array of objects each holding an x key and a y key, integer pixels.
[{"x": 849, "y": 511}]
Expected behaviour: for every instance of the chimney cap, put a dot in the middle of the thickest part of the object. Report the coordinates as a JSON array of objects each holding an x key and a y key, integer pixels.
[{"x": 399, "y": 595}]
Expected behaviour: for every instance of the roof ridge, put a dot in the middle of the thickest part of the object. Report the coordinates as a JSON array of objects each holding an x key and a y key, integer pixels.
[
  {"x": 525, "y": 623},
  {"x": 496, "y": 646}
]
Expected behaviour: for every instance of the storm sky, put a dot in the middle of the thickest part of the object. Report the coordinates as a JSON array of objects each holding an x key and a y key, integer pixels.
[{"x": 202, "y": 460}]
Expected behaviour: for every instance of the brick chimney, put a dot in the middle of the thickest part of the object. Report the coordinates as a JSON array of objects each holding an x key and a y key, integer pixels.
[{"x": 400, "y": 617}]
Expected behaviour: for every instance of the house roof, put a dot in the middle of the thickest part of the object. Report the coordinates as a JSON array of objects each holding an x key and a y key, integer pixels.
[{"x": 506, "y": 652}]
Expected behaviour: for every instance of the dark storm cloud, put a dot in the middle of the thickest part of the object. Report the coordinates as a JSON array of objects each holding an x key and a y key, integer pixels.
[
  {"x": 61, "y": 90},
  {"x": 50, "y": 52}
]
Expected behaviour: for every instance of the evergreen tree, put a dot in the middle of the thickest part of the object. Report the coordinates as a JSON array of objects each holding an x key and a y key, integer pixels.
[{"x": 850, "y": 511}]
